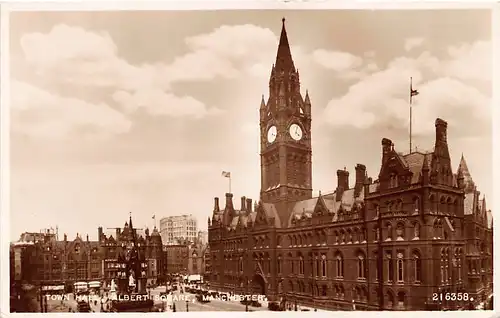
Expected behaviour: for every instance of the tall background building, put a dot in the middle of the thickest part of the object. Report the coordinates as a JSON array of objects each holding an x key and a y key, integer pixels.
[{"x": 178, "y": 228}]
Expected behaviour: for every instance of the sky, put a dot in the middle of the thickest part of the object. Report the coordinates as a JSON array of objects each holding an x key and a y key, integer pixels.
[{"x": 118, "y": 112}]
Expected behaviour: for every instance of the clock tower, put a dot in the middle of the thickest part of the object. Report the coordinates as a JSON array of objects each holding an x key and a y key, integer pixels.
[{"x": 285, "y": 133}]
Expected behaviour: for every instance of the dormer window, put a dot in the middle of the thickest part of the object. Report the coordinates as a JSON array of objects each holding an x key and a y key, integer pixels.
[{"x": 393, "y": 181}]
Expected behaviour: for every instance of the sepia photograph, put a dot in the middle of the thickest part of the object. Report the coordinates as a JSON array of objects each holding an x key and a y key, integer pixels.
[{"x": 250, "y": 160}]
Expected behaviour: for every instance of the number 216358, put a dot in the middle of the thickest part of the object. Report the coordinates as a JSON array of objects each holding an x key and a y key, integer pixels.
[{"x": 450, "y": 296}]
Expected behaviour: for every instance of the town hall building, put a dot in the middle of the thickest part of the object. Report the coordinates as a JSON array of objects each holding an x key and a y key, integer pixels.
[{"x": 394, "y": 242}]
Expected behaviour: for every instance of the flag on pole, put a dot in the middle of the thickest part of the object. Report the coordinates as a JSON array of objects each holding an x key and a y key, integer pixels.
[
  {"x": 414, "y": 92},
  {"x": 226, "y": 174}
]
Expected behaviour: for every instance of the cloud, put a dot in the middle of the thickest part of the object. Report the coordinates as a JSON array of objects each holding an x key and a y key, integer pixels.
[
  {"x": 158, "y": 102},
  {"x": 470, "y": 61},
  {"x": 345, "y": 64},
  {"x": 37, "y": 112},
  {"x": 75, "y": 55},
  {"x": 337, "y": 61},
  {"x": 381, "y": 99},
  {"x": 413, "y": 43}
]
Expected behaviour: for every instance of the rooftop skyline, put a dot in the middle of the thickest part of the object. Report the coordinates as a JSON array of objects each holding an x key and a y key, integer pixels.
[{"x": 127, "y": 111}]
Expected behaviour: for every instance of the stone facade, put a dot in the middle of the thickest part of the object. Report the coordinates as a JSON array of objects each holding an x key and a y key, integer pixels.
[
  {"x": 392, "y": 243},
  {"x": 42, "y": 259}
]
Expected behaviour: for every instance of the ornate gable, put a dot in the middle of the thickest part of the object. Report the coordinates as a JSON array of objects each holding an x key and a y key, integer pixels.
[{"x": 261, "y": 219}]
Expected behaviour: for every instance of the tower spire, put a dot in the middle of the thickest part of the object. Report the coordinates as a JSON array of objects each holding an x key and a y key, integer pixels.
[{"x": 284, "y": 59}]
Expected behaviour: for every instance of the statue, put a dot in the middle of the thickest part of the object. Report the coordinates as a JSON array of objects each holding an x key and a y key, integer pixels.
[
  {"x": 131, "y": 281},
  {"x": 112, "y": 290}
]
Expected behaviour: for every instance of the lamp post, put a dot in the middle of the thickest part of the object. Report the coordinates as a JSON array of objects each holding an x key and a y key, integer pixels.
[
  {"x": 246, "y": 300},
  {"x": 187, "y": 305}
]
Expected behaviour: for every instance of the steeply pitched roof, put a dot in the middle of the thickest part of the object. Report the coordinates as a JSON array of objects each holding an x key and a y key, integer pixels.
[
  {"x": 415, "y": 162},
  {"x": 464, "y": 169},
  {"x": 284, "y": 59}
]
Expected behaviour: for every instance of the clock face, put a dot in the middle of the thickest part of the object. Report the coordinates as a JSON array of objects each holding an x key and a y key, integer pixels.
[
  {"x": 271, "y": 134},
  {"x": 295, "y": 132}
]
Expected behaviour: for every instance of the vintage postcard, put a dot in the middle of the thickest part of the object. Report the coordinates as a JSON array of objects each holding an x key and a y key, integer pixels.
[{"x": 168, "y": 160}]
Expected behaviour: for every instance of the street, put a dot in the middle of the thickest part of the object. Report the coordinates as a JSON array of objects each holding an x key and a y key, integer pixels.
[{"x": 194, "y": 305}]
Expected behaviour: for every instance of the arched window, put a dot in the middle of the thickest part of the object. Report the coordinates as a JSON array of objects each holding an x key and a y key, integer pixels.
[
  {"x": 416, "y": 205},
  {"x": 241, "y": 264},
  {"x": 279, "y": 264},
  {"x": 416, "y": 230},
  {"x": 400, "y": 232},
  {"x": 292, "y": 263},
  {"x": 389, "y": 231},
  {"x": 336, "y": 237},
  {"x": 301, "y": 265},
  {"x": 361, "y": 266},
  {"x": 323, "y": 265},
  {"x": 278, "y": 240},
  {"x": 342, "y": 236},
  {"x": 390, "y": 267},
  {"x": 363, "y": 235},
  {"x": 375, "y": 257},
  {"x": 400, "y": 267},
  {"x": 339, "y": 265},
  {"x": 418, "y": 267},
  {"x": 449, "y": 204},
  {"x": 376, "y": 232}
]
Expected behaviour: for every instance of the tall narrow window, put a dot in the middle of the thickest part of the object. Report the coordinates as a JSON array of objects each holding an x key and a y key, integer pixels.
[
  {"x": 323, "y": 265},
  {"x": 418, "y": 267},
  {"x": 375, "y": 257},
  {"x": 390, "y": 267},
  {"x": 400, "y": 267},
  {"x": 301, "y": 265},
  {"x": 340, "y": 266},
  {"x": 292, "y": 264},
  {"x": 278, "y": 265},
  {"x": 416, "y": 205},
  {"x": 361, "y": 266},
  {"x": 316, "y": 265},
  {"x": 459, "y": 265}
]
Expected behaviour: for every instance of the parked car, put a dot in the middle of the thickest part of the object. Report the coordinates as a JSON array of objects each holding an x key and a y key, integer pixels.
[{"x": 274, "y": 306}]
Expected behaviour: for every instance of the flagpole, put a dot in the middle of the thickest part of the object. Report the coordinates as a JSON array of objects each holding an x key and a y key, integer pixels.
[
  {"x": 411, "y": 95},
  {"x": 229, "y": 184}
]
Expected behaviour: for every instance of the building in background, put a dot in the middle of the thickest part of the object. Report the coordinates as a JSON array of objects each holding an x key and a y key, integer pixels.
[
  {"x": 177, "y": 258},
  {"x": 419, "y": 230},
  {"x": 196, "y": 262},
  {"x": 178, "y": 228},
  {"x": 40, "y": 259},
  {"x": 203, "y": 237},
  {"x": 115, "y": 248}
]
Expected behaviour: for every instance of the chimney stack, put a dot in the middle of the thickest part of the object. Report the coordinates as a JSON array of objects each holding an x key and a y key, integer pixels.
[
  {"x": 229, "y": 201},
  {"x": 99, "y": 233},
  {"x": 216, "y": 204},
  {"x": 360, "y": 177},
  {"x": 249, "y": 205},
  {"x": 243, "y": 203},
  {"x": 441, "y": 131},
  {"x": 386, "y": 149},
  {"x": 342, "y": 183},
  {"x": 343, "y": 179},
  {"x": 118, "y": 231}
]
